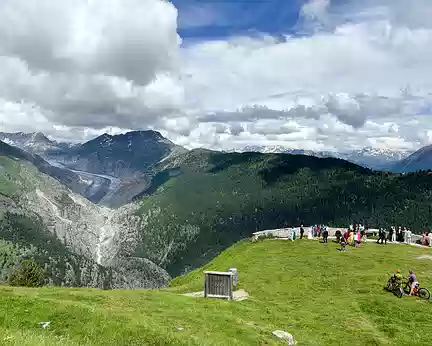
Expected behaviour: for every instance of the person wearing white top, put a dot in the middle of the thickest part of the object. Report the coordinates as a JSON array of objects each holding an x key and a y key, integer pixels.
[
  {"x": 430, "y": 239},
  {"x": 408, "y": 236},
  {"x": 310, "y": 234},
  {"x": 393, "y": 239}
]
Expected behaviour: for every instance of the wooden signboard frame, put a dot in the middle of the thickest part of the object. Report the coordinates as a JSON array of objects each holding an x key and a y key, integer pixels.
[{"x": 218, "y": 285}]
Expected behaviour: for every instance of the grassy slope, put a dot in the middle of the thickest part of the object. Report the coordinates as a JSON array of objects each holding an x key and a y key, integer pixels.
[
  {"x": 222, "y": 198},
  {"x": 321, "y": 296}
]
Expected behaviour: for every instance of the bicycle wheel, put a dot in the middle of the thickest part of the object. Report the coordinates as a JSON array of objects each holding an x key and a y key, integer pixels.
[
  {"x": 399, "y": 292},
  {"x": 424, "y": 293},
  {"x": 406, "y": 287}
]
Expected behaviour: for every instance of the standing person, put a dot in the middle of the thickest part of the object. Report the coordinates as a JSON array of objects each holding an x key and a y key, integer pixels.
[
  {"x": 301, "y": 232},
  {"x": 400, "y": 235},
  {"x": 379, "y": 235},
  {"x": 319, "y": 231},
  {"x": 430, "y": 239},
  {"x": 310, "y": 233},
  {"x": 346, "y": 236},
  {"x": 391, "y": 234},
  {"x": 351, "y": 238},
  {"x": 408, "y": 236},
  {"x": 393, "y": 239},
  {"x": 412, "y": 279},
  {"x": 405, "y": 235},
  {"x": 382, "y": 236},
  {"x": 358, "y": 237},
  {"x": 325, "y": 235}
]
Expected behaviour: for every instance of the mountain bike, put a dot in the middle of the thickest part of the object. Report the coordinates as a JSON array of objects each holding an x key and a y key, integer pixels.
[
  {"x": 395, "y": 287},
  {"x": 418, "y": 291}
]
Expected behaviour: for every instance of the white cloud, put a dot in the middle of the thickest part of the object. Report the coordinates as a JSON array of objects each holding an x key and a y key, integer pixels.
[
  {"x": 89, "y": 64},
  {"x": 361, "y": 77},
  {"x": 315, "y": 10},
  {"x": 130, "y": 38}
]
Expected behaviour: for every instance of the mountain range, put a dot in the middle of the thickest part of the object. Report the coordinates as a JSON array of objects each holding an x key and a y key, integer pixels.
[
  {"x": 133, "y": 210},
  {"x": 374, "y": 158},
  {"x": 108, "y": 170},
  {"x": 420, "y": 160}
]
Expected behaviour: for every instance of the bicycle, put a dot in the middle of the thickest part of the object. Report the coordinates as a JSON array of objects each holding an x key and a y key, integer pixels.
[
  {"x": 418, "y": 291},
  {"x": 395, "y": 287}
]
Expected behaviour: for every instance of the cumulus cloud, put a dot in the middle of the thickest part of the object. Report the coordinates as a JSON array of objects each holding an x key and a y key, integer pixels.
[
  {"x": 131, "y": 39},
  {"x": 90, "y": 64},
  {"x": 77, "y": 68}
]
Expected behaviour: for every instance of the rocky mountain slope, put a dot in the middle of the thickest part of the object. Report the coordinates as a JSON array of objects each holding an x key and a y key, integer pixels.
[
  {"x": 108, "y": 170},
  {"x": 124, "y": 156},
  {"x": 420, "y": 160},
  {"x": 36, "y": 143},
  {"x": 378, "y": 159},
  {"x": 80, "y": 243}
]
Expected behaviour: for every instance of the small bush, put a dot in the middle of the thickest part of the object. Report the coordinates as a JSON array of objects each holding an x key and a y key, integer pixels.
[{"x": 27, "y": 274}]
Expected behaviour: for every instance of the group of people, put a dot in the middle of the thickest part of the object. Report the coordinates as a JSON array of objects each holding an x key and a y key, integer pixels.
[
  {"x": 316, "y": 231},
  {"x": 353, "y": 236},
  {"x": 401, "y": 235}
]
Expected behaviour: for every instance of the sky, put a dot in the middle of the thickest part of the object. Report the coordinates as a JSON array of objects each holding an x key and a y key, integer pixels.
[{"x": 305, "y": 74}]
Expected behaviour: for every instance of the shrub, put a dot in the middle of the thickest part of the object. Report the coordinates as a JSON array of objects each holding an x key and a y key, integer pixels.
[{"x": 27, "y": 274}]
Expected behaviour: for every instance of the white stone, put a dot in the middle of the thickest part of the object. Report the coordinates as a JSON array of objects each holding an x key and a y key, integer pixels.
[
  {"x": 44, "y": 325},
  {"x": 287, "y": 337}
]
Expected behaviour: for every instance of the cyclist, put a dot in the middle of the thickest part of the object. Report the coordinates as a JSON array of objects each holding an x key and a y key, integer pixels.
[
  {"x": 397, "y": 278},
  {"x": 412, "y": 279}
]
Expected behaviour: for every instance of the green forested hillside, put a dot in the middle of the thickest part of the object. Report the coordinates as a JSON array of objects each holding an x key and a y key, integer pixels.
[{"x": 213, "y": 199}]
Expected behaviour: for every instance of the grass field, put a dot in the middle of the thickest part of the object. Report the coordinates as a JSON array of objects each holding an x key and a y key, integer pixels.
[{"x": 321, "y": 296}]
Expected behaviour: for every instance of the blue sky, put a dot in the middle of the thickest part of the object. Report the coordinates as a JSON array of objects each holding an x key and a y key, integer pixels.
[{"x": 216, "y": 19}]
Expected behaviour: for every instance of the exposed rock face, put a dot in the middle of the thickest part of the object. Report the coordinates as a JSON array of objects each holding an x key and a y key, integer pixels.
[
  {"x": 92, "y": 241},
  {"x": 35, "y": 143},
  {"x": 108, "y": 170}
]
